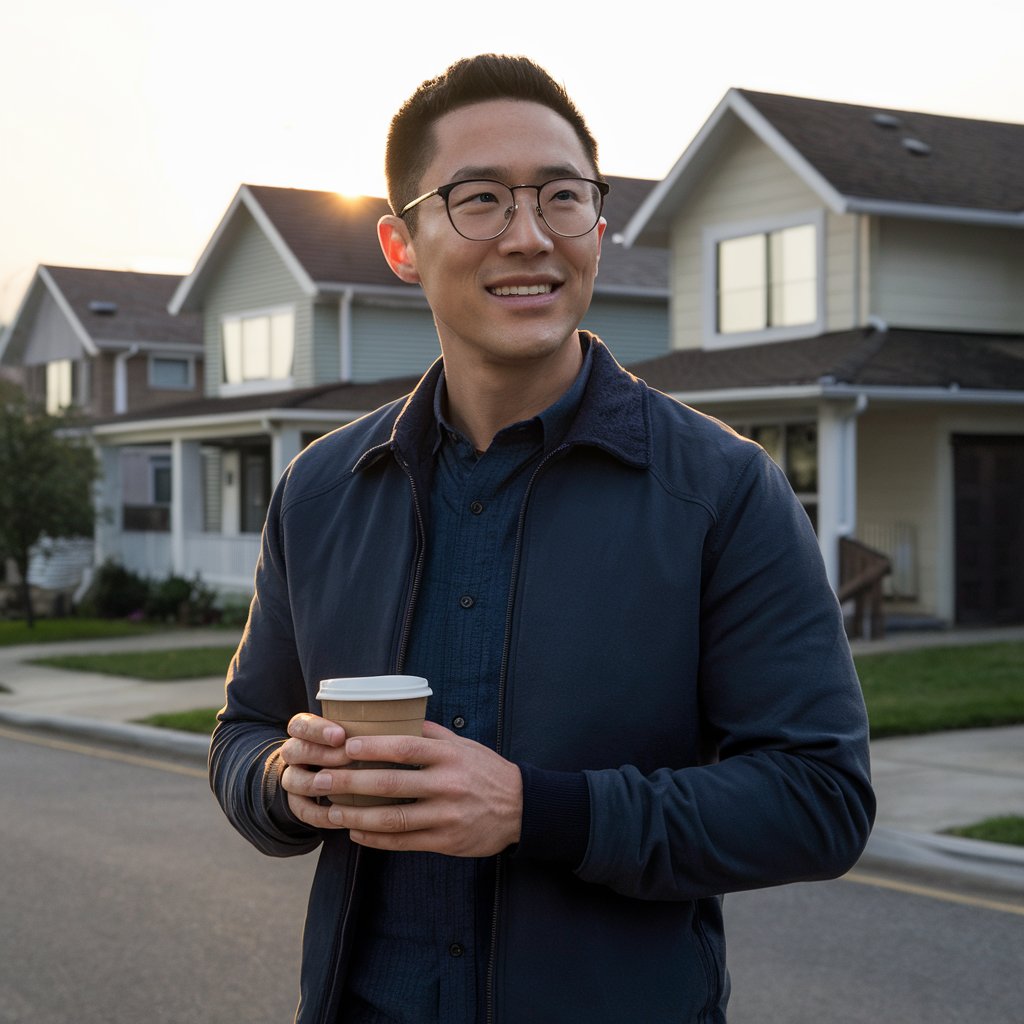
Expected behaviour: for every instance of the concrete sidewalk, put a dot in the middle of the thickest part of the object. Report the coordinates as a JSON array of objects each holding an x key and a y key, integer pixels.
[{"x": 924, "y": 784}]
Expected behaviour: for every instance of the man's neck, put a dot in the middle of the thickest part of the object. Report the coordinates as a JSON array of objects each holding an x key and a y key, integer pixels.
[{"x": 484, "y": 398}]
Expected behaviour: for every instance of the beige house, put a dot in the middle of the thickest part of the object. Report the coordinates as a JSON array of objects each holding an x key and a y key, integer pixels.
[{"x": 847, "y": 287}]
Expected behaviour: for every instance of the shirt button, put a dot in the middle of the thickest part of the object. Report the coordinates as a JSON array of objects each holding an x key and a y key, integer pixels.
[
  {"x": 458, "y": 722},
  {"x": 476, "y": 507},
  {"x": 456, "y": 949},
  {"x": 466, "y": 601}
]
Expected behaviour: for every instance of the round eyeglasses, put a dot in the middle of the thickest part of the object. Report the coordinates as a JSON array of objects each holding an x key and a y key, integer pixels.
[{"x": 482, "y": 209}]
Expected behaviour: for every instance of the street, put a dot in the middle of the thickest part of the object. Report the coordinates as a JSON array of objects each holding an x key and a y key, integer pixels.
[{"x": 128, "y": 898}]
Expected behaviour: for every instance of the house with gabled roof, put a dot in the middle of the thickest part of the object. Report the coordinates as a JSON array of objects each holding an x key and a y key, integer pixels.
[
  {"x": 846, "y": 288},
  {"x": 306, "y": 328}
]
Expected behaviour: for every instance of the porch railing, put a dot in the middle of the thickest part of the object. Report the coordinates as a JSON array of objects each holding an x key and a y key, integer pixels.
[{"x": 861, "y": 571}]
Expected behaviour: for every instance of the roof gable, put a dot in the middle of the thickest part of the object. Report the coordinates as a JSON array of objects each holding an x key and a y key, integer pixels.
[{"x": 859, "y": 159}]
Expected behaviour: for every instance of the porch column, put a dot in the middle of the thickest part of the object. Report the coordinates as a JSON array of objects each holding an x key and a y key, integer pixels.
[
  {"x": 109, "y": 505},
  {"x": 186, "y": 500},
  {"x": 837, "y": 480},
  {"x": 285, "y": 444}
]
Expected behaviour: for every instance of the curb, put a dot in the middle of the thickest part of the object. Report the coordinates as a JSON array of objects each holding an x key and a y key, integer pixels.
[{"x": 187, "y": 745}]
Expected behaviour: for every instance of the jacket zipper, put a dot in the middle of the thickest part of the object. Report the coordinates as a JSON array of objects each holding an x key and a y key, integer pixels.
[
  {"x": 502, "y": 681},
  {"x": 403, "y": 643},
  {"x": 328, "y": 1005}
]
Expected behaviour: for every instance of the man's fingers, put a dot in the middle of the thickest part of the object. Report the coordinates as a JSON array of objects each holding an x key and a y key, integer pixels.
[{"x": 316, "y": 730}]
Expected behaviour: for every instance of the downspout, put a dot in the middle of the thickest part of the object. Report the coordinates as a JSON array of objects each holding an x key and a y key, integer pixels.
[{"x": 121, "y": 379}]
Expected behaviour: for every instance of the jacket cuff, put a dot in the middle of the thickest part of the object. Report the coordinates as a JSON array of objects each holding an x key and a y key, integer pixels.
[
  {"x": 556, "y": 816},
  {"x": 275, "y": 797}
]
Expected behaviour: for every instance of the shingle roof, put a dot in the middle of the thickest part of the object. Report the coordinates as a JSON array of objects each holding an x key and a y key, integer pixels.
[
  {"x": 970, "y": 164},
  {"x": 136, "y": 305},
  {"x": 334, "y": 238},
  {"x": 897, "y": 357}
]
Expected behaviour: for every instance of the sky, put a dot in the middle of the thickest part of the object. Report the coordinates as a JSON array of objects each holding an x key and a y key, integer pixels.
[{"x": 127, "y": 127}]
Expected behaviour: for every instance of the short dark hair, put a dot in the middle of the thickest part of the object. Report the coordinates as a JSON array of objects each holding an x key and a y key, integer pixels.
[{"x": 489, "y": 76}]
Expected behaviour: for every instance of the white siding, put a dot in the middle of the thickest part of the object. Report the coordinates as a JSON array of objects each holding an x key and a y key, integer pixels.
[
  {"x": 751, "y": 183},
  {"x": 948, "y": 276}
]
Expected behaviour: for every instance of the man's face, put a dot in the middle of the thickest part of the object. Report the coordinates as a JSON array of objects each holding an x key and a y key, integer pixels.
[{"x": 514, "y": 142}]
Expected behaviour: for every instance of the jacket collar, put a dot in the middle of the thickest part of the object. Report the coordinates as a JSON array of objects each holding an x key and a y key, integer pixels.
[{"x": 613, "y": 415}]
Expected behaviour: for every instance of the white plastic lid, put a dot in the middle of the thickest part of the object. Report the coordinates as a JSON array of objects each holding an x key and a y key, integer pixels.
[{"x": 374, "y": 688}]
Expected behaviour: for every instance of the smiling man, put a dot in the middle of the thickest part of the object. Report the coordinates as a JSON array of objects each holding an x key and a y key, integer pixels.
[{"x": 643, "y": 697}]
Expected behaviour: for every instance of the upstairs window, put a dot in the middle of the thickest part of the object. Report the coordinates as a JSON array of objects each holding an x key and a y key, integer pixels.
[
  {"x": 170, "y": 373},
  {"x": 765, "y": 284},
  {"x": 60, "y": 385},
  {"x": 258, "y": 347}
]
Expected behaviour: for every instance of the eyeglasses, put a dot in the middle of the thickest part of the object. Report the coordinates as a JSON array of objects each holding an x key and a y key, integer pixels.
[{"x": 482, "y": 209}]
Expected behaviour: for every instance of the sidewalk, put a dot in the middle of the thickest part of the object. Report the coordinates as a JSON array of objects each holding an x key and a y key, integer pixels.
[{"x": 924, "y": 784}]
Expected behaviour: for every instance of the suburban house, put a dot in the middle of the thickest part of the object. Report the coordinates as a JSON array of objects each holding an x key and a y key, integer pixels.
[
  {"x": 847, "y": 288},
  {"x": 104, "y": 342},
  {"x": 305, "y": 328}
]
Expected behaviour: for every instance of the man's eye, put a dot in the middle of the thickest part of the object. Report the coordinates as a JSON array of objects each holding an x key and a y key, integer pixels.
[{"x": 476, "y": 198}]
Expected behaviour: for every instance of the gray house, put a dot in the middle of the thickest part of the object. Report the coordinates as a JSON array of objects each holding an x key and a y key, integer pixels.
[
  {"x": 306, "y": 328},
  {"x": 846, "y": 288}
]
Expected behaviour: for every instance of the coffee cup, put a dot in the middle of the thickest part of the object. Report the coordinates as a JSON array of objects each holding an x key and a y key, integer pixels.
[{"x": 374, "y": 706}]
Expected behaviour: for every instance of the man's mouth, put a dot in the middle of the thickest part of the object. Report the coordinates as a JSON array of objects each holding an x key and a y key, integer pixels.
[{"x": 522, "y": 289}]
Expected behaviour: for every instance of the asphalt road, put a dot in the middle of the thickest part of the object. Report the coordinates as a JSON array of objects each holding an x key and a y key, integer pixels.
[{"x": 127, "y": 898}]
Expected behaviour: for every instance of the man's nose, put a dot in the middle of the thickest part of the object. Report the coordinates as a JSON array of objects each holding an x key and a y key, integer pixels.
[{"x": 527, "y": 227}]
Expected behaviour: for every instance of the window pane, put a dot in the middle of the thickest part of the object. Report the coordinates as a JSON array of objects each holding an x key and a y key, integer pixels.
[
  {"x": 232, "y": 351},
  {"x": 58, "y": 385},
  {"x": 282, "y": 343},
  {"x": 169, "y": 373},
  {"x": 160, "y": 468},
  {"x": 256, "y": 348},
  {"x": 802, "y": 457},
  {"x": 770, "y": 439},
  {"x": 742, "y": 281},
  {"x": 793, "y": 264}
]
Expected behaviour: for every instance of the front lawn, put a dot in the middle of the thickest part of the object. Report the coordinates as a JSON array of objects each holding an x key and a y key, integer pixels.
[
  {"x": 160, "y": 666},
  {"x": 48, "y": 631}
]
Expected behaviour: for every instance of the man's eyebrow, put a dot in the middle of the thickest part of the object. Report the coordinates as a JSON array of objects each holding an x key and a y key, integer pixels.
[{"x": 548, "y": 173}]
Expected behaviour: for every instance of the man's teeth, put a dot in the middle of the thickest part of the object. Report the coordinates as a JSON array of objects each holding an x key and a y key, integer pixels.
[{"x": 522, "y": 289}]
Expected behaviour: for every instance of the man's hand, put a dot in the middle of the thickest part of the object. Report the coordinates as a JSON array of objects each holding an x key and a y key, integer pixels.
[
  {"x": 468, "y": 799},
  {"x": 313, "y": 743}
]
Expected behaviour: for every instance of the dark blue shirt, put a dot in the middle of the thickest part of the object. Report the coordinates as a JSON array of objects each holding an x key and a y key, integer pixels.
[{"x": 424, "y": 930}]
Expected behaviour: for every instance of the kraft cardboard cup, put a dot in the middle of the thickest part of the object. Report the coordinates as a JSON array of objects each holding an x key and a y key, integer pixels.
[{"x": 374, "y": 706}]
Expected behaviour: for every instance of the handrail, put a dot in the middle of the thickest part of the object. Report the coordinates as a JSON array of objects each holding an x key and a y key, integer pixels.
[{"x": 861, "y": 571}]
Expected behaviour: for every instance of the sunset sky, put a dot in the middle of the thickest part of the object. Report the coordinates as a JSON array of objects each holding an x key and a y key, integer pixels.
[{"x": 126, "y": 127}]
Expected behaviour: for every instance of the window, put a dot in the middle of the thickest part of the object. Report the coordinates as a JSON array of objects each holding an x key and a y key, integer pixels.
[
  {"x": 168, "y": 373},
  {"x": 258, "y": 347},
  {"x": 160, "y": 479},
  {"x": 794, "y": 448},
  {"x": 59, "y": 386},
  {"x": 764, "y": 280},
  {"x": 767, "y": 280}
]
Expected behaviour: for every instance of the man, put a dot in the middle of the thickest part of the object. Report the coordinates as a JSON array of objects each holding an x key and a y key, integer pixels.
[{"x": 643, "y": 694}]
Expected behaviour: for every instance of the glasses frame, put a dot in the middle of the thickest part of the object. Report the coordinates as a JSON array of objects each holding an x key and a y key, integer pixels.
[{"x": 444, "y": 191}]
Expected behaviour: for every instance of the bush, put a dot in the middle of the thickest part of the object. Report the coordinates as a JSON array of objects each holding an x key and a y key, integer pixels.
[{"x": 115, "y": 593}]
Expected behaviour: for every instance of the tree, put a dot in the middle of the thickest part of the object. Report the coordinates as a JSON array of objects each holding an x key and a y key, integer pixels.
[{"x": 47, "y": 473}]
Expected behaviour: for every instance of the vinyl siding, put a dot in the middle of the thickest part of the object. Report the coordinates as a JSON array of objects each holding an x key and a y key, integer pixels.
[
  {"x": 252, "y": 276},
  {"x": 632, "y": 330},
  {"x": 750, "y": 183},
  {"x": 948, "y": 276},
  {"x": 326, "y": 343},
  {"x": 391, "y": 341}
]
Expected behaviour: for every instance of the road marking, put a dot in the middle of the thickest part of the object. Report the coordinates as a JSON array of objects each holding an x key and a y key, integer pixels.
[
  {"x": 863, "y": 878},
  {"x": 106, "y": 754}
]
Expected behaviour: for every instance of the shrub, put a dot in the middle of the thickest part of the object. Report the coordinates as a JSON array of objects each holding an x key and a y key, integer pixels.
[{"x": 115, "y": 593}]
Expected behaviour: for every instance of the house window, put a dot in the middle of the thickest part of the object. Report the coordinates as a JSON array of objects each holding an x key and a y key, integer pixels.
[
  {"x": 59, "y": 386},
  {"x": 768, "y": 280},
  {"x": 160, "y": 479},
  {"x": 258, "y": 347},
  {"x": 794, "y": 448},
  {"x": 171, "y": 374}
]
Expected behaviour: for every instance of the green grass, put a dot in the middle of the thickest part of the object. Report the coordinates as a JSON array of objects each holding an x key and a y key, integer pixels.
[
  {"x": 1009, "y": 829},
  {"x": 939, "y": 688},
  {"x": 200, "y": 720},
  {"x": 159, "y": 666},
  {"x": 48, "y": 631}
]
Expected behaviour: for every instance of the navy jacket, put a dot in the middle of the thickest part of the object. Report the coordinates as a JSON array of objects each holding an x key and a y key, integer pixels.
[{"x": 671, "y": 634}]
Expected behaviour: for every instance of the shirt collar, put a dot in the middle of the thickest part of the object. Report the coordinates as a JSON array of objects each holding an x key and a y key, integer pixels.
[{"x": 553, "y": 422}]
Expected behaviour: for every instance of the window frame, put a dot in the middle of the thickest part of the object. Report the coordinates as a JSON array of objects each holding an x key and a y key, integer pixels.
[
  {"x": 190, "y": 372},
  {"x": 255, "y": 385},
  {"x": 715, "y": 234}
]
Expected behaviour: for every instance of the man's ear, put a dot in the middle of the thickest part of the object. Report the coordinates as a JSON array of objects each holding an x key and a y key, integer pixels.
[
  {"x": 601, "y": 225},
  {"x": 396, "y": 244}
]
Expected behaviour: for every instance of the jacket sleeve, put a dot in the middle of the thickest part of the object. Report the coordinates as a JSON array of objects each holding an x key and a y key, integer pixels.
[
  {"x": 785, "y": 792},
  {"x": 264, "y": 690}
]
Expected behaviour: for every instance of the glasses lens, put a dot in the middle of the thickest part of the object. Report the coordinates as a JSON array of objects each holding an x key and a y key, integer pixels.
[
  {"x": 480, "y": 209},
  {"x": 571, "y": 206}
]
